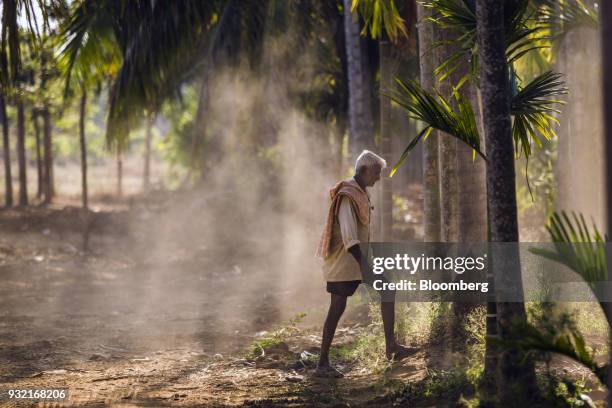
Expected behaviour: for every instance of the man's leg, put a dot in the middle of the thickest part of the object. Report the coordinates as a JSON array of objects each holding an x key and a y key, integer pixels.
[
  {"x": 336, "y": 308},
  {"x": 387, "y": 310},
  {"x": 394, "y": 350}
]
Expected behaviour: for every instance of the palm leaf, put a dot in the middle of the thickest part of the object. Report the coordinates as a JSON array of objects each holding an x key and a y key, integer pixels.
[
  {"x": 436, "y": 113},
  {"x": 532, "y": 108},
  {"x": 379, "y": 16},
  {"x": 560, "y": 17},
  {"x": 523, "y": 32},
  {"x": 578, "y": 247},
  {"x": 568, "y": 342}
]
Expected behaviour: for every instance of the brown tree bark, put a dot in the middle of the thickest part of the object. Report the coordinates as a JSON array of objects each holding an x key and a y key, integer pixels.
[
  {"x": 388, "y": 69},
  {"x": 431, "y": 165},
  {"x": 517, "y": 381},
  {"x": 119, "y": 172},
  {"x": 21, "y": 155},
  {"x": 147, "y": 152},
  {"x": 83, "y": 145},
  {"x": 48, "y": 156},
  {"x": 8, "y": 180},
  {"x": 39, "y": 161},
  {"x": 361, "y": 128}
]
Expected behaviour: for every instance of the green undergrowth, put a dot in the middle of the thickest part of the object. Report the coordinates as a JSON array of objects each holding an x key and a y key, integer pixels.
[{"x": 275, "y": 337}]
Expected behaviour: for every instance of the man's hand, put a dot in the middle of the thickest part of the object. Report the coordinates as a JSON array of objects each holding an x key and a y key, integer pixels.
[{"x": 355, "y": 250}]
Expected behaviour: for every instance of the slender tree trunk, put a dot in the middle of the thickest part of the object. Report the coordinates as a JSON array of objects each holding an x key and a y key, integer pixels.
[
  {"x": 147, "y": 153},
  {"x": 119, "y": 172},
  {"x": 449, "y": 197},
  {"x": 606, "y": 55},
  {"x": 431, "y": 165},
  {"x": 388, "y": 69},
  {"x": 21, "y": 155},
  {"x": 473, "y": 227},
  {"x": 471, "y": 216},
  {"x": 517, "y": 381},
  {"x": 48, "y": 167},
  {"x": 83, "y": 144},
  {"x": 361, "y": 129},
  {"x": 199, "y": 134},
  {"x": 580, "y": 136},
  {"x": 39, "y": 161},
  {"x": 8, "y": 180}
]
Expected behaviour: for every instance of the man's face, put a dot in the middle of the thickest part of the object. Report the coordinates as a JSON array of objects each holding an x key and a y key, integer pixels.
[{"x": 371, "y": 175}]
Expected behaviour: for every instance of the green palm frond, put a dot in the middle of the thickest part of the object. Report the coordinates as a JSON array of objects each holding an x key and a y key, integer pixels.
[
  {"x": 523, "y": 33},
  {"x": 157, "y": 59},
  {"x": 577, "y": 246},
  {"x": 436, "y": 113},
  {"x": 380, "y": 15},
  {"x": 533, "y": 109},
  {"x": 563, "y": 16},
  {"x": 88, "y": 50}
]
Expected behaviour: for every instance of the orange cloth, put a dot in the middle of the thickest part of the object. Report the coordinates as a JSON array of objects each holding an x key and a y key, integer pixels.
[{"x": 361, "y": 205}]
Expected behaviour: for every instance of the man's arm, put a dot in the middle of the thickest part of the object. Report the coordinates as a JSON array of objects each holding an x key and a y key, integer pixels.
[{"x": 348, "y": 229}]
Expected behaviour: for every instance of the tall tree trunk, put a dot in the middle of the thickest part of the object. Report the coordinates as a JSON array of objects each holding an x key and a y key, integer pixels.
[
  {"x": 449, "y": 198},
  {"x": 83, "y": 145},
  {"x": 147, "y": 152},
  {"x": 8, "y": 179},
  {"x": 119, "y": 172},
  {"x": 473, "y": 219},
  {"x": 48, "y": 167},
  {"x": 361, "y": 129},
  {"x": 431, "y": 165},
  {"x": 580, "y": 132},
  {"x": 39, "y": 161},
  {"x": 606, "y": 55},
  {"x": 388, "y": 69},
  {"x": 21, "y": 156},
  {"x": 517, "y": 381}
]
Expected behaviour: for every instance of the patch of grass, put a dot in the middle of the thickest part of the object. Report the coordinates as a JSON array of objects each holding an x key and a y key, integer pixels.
[
  {"x": 255, "y": 349},
  {"x": 276, "y": 336},
  {"x": 451, "y": 387}
]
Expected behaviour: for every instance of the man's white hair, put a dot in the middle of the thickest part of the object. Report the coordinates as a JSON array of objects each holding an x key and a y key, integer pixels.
[{"x": 369, "y": 159}]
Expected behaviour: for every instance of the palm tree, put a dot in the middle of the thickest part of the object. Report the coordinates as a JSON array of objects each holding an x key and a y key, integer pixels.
[
  {"x": 516, "y": 381},
  {"x": 21, "y": 155},
  {"x": 83, "y": 146},
  {"x": 361, "y": 131},
  {"x": 431, "y": 175},
  {"x": 576, "y": 54},
  {"x": 12, "y": 77},
  {"x": 39, "y": 163},
  {"x": 48, "y": 155},
  {"x": 147, "y": 153},
  {"x": 385, "y": 24},
  {"x": 449, "y": 198},
  {"x": 8, "y": 180}
]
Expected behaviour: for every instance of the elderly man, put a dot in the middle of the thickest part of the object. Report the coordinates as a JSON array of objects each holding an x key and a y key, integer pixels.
[{"x": 345, "y": 267}]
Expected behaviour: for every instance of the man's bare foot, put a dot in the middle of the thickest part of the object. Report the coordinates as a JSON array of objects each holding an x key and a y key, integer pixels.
[
  {"x": 327, "y": 371},
  {"x": 400, "y": 352}
]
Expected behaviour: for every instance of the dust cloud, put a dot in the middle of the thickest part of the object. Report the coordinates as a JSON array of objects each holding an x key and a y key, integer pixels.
[{"x": 202, "y": 268}]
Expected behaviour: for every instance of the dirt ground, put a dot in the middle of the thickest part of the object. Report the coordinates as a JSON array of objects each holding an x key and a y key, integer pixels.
[
  {"x": 165, "y": 305},
  {"x": 156, "y": 314}
]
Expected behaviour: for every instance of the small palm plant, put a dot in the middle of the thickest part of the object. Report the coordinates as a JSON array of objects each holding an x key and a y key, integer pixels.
[{"x": 582, "y": 249}]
